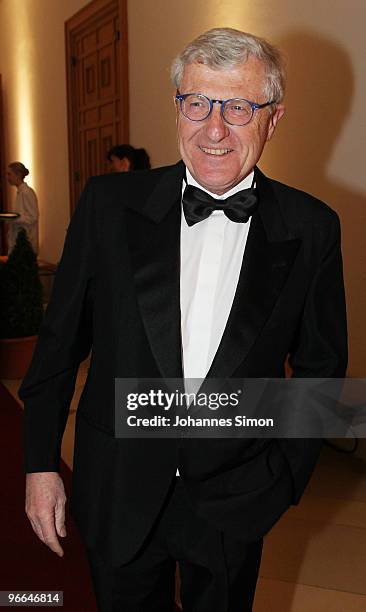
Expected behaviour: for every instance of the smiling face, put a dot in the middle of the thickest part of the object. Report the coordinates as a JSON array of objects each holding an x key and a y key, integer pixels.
[{"x": 217, "y": 154}]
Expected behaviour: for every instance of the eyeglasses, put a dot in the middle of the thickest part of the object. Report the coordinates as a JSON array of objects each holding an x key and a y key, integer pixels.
[{"x": 235, "y": 111}]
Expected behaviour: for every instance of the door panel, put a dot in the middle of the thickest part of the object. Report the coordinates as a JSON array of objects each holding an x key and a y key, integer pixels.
[{"x": 96, "y": 42}]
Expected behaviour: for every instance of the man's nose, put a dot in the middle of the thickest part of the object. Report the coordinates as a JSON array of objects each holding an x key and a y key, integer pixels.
[{"x": 215, "y": 126}]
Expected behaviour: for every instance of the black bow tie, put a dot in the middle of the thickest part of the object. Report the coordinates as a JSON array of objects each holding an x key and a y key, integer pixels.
[{"x": 198, "y": 205}]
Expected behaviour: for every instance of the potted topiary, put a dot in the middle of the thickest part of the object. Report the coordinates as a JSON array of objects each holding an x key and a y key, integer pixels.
[{"x": 21, "y": 308}]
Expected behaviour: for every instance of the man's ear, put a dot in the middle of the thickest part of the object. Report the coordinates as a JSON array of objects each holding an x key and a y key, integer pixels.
[
  {"x": 176, "y": 105},
  {"x": 274, "y": 119}
]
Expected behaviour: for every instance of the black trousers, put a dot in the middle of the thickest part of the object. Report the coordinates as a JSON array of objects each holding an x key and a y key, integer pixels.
[{"x": 218, "y": 573}]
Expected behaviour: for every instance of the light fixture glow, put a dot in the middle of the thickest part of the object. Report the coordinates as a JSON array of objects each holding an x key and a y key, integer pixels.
[{"x": 24, "y": 63}]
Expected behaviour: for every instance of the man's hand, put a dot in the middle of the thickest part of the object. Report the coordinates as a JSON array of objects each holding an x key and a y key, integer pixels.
[{"x": 45, "y": 508}]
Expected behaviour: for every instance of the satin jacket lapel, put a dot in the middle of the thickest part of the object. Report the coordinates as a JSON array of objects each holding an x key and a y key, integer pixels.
[
  {"x": 154, "y": 244},
  {"x": 269, "y": 255}
]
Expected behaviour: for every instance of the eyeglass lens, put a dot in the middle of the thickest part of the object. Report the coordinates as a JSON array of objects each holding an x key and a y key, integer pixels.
[{"x": 236, "y": 111}]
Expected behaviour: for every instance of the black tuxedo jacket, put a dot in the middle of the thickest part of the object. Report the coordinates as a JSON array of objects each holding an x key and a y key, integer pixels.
[{"x": 116, "y": 292}]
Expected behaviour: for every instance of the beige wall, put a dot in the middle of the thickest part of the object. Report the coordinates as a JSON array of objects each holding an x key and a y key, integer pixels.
[
  {"x": 32, "y": 63},
  {"x": 319, "y": 146}
]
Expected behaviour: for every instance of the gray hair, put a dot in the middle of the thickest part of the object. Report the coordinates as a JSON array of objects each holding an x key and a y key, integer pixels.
[{"x": 222, "y": 48}]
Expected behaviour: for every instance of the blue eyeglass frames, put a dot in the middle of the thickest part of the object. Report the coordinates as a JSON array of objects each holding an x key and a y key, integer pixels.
[{"x": 235, "y": 111}]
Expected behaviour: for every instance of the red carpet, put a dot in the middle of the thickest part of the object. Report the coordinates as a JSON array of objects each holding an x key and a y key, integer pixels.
[{"x": 25, "y": 563}]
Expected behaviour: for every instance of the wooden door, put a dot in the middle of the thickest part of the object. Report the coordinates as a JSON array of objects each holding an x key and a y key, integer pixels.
[
  {"x": 3, "y": 182},
  {"x": 97, "y": 83}
]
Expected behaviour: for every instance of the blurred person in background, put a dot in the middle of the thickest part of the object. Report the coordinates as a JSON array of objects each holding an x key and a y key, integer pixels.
[
  {"x": 124, "y": 158},
  {"x": 25, "y": 204}
]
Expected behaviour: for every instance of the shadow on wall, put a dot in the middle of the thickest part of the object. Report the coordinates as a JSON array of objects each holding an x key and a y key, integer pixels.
[
  {"x": 319, "y": 97},
  {"x": 318, "y": 102}
]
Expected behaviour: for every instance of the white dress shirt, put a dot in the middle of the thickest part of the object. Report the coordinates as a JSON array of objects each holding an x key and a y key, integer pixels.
[
  {"x": 211, "y": 258},
  {"x": 26, "y": 204}
]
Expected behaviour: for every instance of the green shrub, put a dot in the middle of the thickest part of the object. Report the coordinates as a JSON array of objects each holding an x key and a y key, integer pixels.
[{"x": 21, "y": 308}]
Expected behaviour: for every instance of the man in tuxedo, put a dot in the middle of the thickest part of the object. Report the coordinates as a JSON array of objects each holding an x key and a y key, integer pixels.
[{"x": 204, "y": 269}]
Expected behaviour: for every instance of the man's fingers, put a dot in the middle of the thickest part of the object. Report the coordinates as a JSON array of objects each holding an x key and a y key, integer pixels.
[
  {"x": 46, "y": 532},
  {"x": 60, "y": 518},
  {"x": 49, "y": 536},
  {"x": 37, "y": 529}
]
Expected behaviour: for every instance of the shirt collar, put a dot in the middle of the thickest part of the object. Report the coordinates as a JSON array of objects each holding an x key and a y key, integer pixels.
[{"x": 246, "y": 183}]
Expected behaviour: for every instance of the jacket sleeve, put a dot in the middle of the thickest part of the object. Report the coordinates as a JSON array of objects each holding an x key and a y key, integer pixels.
[
  {"x": 65, "y": 339},
  {"x": 320, "y": 346}
]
